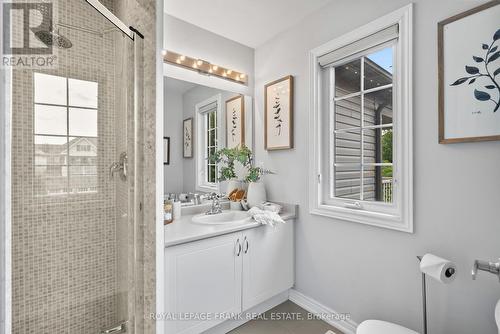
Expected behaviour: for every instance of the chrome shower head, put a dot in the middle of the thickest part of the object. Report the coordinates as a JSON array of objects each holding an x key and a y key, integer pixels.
[{"x": 53, "y": 38}]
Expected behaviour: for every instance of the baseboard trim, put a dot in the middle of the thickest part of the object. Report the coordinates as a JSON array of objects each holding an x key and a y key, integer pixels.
[{"x": 347, "y": 326}]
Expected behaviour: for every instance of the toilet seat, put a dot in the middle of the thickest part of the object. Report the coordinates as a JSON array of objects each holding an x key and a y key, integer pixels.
[{"x": 382, "y": 327}]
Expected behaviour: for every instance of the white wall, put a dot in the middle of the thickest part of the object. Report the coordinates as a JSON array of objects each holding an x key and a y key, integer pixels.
[
  {"x": 190, "y": 40},
  {"x": 372, "y": 272},
  {"x": 173, "y": 117}
]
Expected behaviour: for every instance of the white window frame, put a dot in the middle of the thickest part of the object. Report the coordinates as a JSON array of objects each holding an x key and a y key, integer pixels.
[
  {"x": 201, "y": 156},
  {"x": 400, "y": 215}
]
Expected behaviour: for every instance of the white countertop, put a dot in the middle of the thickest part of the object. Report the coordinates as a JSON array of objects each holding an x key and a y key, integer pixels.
[{"x": 183, "y": 230}]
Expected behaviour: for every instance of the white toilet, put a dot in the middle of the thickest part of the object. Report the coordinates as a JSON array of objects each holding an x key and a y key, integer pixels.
[{"x": 382, "y": 327}]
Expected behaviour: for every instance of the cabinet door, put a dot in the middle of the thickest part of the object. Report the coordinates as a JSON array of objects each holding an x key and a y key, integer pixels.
[
  {"x": 268, "y": 263},
  {"x": 203, "y": 278}
]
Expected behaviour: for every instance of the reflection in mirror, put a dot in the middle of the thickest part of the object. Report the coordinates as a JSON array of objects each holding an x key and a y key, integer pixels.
[{"x": 188, "y": 178}]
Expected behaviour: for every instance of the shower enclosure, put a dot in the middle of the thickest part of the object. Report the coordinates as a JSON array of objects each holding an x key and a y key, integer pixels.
[{"x": 76, "y": 154}]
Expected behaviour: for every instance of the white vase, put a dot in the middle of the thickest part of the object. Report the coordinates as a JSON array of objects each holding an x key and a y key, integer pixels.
[{"x": 256, "y": 194}]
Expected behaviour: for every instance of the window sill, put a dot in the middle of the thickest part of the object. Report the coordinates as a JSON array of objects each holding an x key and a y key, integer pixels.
[{"x": 393, "y": 222}]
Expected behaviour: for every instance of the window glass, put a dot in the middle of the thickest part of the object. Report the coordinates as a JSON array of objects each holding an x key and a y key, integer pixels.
[
  {"x": 347, "y": 181},
  {"x": 50, "y": 89},
  {"x": 348, "y": 113},
  {"x": 363, "y": 140},
  {"x": 50, "y": 120},
  {"x": 348, "y": 78},
  {"x": 65, "y": 158},
  {"x": 378, "y": 68},
  {"x": 82, "y": 122},
  {"x": 211, "y": 146},
  {"x": 378, "y": 107},
  {"x": 82, "y": 93}
]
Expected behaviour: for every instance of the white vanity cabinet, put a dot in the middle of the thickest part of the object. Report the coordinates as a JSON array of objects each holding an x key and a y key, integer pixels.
[
  {"x": 268, "y": 263},
  {"x": 202, "y": 277},
  {"x": 226, "y": 274}
]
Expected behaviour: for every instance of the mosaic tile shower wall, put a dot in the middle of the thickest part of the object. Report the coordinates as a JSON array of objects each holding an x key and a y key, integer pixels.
[{"x": 67, "y": 214}]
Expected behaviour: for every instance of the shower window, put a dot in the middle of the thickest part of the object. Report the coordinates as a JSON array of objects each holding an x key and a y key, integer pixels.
[{"x": 65, "y": 135}]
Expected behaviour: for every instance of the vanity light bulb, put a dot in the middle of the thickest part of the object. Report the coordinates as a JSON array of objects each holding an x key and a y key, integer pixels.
[
  {"x": 182, "y": 58},
  {"x": 224, "y": 74},
  {"x": 242, "y": 76},
  {"x": 199, "y": 62},
  {"x": 194, "y": 65},
  {"x": 215, "y": 67},
  {"x": 210, "y": 70},
  {"x": 178, "y": 61},
  {"x": 229, "y": 72},
  {"x": 164, "y": 53}
]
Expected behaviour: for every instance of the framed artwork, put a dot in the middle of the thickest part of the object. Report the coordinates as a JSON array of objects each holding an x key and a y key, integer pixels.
[
  {"x": 235, "y": 122},
  {"x": 469, "y": 75},
  {"x": 166, "y": 150},
  {"x": 278, "y": 118},
  {"x": 187, "y": 135}
]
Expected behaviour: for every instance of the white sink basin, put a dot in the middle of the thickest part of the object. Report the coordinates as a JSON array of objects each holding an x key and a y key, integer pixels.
[{"x": 226, "y": 217}]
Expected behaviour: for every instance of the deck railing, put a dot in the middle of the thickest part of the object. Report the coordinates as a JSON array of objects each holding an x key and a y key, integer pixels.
[{"x": 387, "y": 189}]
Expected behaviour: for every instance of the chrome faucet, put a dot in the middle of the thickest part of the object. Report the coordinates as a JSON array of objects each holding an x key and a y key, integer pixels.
[
  {"x": 490, "y": 267},
  {"x": 216, "y": 207}
]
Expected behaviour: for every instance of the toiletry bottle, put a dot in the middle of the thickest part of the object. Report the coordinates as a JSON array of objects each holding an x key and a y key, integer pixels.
[
  {"x": 177, "y": 209},
  {"x": 168, "y": 214}
]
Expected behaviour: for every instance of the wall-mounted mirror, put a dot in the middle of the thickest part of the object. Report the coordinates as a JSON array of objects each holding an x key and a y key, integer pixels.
[{"x": 198, "y": 121}]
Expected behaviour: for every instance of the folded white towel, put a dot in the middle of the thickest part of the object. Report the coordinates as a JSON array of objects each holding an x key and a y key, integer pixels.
[{"x": 265, "y": 217}]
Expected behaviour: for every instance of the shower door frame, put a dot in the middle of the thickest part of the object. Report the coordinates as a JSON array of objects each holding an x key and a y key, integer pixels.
[
  {"x": 5, "y": 167},
  {"x": 5, "y": 199}
]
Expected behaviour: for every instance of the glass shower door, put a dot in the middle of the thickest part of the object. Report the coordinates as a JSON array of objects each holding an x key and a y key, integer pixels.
[{"x": 76, "y": 154}]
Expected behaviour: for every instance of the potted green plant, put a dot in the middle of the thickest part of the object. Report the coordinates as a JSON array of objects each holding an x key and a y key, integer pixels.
[
  {"x": 256, "y": 193},
  {"x": 226, "y": 158}
]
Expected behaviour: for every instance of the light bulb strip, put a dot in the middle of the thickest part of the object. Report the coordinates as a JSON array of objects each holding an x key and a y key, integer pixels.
[{"x": 203, "y": 67}]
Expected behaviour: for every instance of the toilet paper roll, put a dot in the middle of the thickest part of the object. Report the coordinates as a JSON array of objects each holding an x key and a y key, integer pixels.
[{"x": 440, "y": 269}]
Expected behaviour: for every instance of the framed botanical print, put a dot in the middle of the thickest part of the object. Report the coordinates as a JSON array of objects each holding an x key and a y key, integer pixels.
[
  {"x": 235, "y": 122},
  {"x": 278, "y": 118},
  {"x": 188, "y": 138},
  {"x": 469, "y": 75},
  {"x": 166, "y": 150}
]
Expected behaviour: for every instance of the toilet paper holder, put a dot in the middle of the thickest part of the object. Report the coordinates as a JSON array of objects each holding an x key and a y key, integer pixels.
[
  {"x": 489, "y": 267},
  {"x": 449, "y": 273}
]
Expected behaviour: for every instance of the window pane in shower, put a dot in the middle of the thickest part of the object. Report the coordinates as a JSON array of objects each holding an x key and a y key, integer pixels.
[
  {"x": 82, "y": 93},
  {"x": 50, "y": 120},
  {"x": 50, "y": 89},
  {"x": 83, "y": 151},
  {"x": 83, "y": 122},
  {"x": 50, "y": 150},
  {"x": 82, "y": 179}
]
